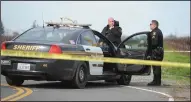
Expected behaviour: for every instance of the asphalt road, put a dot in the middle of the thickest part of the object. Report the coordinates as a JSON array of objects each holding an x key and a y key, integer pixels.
[{"x": 95, "y": 91}]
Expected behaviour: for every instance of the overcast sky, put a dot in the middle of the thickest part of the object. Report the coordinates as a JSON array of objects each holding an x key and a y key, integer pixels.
[{"x": 134, "y": 16}]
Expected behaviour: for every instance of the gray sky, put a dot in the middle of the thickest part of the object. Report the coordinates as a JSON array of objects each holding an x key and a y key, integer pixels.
[{"x": 134, "y": 16}]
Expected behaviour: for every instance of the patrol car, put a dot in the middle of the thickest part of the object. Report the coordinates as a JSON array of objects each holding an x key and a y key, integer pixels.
[{"x": 76, "y": 39}]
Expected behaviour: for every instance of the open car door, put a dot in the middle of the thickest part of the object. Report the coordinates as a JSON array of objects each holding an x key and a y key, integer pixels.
[{"x": 136, "y": 46}]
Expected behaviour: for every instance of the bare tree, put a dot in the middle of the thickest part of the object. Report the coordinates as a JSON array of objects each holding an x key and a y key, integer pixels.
[
  {"x": 15, "y": 34},
  {"x": 34, "y": 24},
  {"x": 171, "y": 36},
  {"x": 1, "y": 28}
]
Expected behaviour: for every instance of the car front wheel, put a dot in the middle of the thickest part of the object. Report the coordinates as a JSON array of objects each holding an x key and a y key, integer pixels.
[{"x": 14, "y": 81}]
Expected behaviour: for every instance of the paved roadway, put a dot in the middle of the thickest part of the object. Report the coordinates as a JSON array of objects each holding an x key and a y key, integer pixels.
[{"x": 95, "y": 91}]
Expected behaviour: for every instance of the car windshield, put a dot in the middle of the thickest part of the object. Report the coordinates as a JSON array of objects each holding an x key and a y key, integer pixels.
[{"x": 67, "y": 36}]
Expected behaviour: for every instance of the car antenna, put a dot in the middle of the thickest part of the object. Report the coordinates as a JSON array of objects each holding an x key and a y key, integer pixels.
[{"x": 42, "y": 20}]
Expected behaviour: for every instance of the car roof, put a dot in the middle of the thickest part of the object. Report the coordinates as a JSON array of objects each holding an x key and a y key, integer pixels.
[
  {"x": 69, "y": 28},
  {"x": 76, "y": 30}
]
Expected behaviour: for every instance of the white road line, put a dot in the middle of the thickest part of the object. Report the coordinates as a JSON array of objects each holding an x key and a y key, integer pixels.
[
  {"x": 176, "y": 51},
  {"x": 170, "y": 98}
]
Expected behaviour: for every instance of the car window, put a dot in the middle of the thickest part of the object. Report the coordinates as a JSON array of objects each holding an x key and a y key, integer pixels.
[
  {"x": 102, "y": 44},
  {"x": 138, "y": 42},
  {"x": 87, "y": 38},
  {"x": 97, "y": 38},
  {"x": 79, "y": 40},
  {"x": 49, "y": 35}
]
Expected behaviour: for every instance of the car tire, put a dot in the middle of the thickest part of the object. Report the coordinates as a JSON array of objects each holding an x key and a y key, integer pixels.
[
  {"x": 14, "y": 81},
  {"x": 81, "y": 76},
  {"x": 124, "y": 80}
]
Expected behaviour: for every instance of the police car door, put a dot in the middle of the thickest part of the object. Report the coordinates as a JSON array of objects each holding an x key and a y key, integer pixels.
[
  {"x": 88, "y": 42},
  {"x": 135, "y": 47}
]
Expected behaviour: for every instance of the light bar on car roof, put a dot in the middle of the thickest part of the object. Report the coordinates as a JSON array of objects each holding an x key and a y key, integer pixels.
[{"x": 67, "y": 24}]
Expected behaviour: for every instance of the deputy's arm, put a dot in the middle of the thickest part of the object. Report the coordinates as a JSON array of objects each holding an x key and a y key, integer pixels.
[
  {"x": 117, "y": 31},
  {"x": 100, "y": 42},
  {"x": 104, "y": 31}
]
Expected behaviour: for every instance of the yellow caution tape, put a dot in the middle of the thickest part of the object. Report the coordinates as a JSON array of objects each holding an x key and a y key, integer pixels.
[{"x": 63, "y": 56}]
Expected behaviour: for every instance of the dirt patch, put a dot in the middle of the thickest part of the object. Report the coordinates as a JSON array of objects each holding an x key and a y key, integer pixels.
[{"x": 180, "y": 91}]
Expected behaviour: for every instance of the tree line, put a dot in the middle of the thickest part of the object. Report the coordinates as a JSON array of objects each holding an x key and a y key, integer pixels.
[{"x": 1, "y": 28}]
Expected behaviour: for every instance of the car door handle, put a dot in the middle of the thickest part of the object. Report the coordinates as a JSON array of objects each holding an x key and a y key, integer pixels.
[{"x": 87, "y": 49}]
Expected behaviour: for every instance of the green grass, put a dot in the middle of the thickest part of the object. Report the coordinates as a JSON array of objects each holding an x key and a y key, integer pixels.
[{"x": 175, "y": 73}]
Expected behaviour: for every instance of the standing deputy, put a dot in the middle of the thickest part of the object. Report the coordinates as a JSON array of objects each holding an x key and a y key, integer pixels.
[{"x": 157, "y": 51}]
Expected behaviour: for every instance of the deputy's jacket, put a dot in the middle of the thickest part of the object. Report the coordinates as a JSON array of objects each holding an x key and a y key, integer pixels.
[
  {"x": 114, "y": 35},
  {"x": 157, "y": 44},
  {"x": 157, "y": 38}
]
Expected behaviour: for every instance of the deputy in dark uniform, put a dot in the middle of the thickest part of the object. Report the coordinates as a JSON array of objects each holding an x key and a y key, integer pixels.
[
  {"x": 157, "y": 51},
  {"x": 113, "y": 32}
]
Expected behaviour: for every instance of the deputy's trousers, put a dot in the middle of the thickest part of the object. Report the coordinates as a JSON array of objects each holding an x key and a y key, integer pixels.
[{"x": 157, "y": 74}]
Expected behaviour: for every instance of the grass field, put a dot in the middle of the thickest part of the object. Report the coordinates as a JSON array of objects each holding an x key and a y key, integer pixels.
[{"x": 179, "y": 73}]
